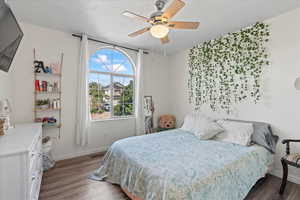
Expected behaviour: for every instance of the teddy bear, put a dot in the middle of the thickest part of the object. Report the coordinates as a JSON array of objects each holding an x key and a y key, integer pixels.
[{"x": 166, "y": 122}]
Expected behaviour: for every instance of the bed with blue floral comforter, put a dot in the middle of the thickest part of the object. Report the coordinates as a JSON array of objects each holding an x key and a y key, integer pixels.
[{"x": 176, "y": 165}]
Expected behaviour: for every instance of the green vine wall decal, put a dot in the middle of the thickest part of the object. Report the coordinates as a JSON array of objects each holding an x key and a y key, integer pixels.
[{"x": 228, "y": 70}]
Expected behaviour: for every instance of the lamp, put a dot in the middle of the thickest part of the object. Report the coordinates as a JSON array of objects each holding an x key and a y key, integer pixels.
[
  {"x": 297, "y": 83},
  {"x": 159, "y": 31}
]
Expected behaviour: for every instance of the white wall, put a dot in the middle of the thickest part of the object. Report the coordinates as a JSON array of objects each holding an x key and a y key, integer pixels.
[
  {"x": 4, "y": 85},
  {"x": 49, "y": 43},
  {"x": 156, "y": 83},
  {"x": 281, "y": 104}
]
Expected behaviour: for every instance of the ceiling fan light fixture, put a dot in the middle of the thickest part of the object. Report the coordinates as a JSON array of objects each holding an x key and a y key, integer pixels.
[
  {"x": 159, "y": 31},
  {"x": 160, "y": 21}
]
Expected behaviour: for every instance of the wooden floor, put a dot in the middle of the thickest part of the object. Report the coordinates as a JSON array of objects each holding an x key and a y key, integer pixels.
[{"x": 68, "y": 181}]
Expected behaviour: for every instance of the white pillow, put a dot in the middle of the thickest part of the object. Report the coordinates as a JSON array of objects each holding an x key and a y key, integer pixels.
[
  {"x": 201, "y": 126},
  {"x": 235, "y": 132},
  {"x": 189, "y": 122}
]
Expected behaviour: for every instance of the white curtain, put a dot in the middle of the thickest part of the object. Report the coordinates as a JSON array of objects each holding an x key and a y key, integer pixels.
[
  {"x": 139, "y": 96},
  {"x": 82, "y": 109}
]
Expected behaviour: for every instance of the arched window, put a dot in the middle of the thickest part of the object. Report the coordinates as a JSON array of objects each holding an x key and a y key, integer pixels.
[{"x": 111, "y": 84}]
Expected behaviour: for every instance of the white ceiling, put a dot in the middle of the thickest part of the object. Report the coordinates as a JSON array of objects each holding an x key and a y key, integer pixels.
[{"x": 102, "y": 18}]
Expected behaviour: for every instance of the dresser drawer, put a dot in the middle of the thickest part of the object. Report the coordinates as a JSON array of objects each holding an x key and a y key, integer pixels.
[
  {"x": 35, "y": 167},
  {"x": 35, "y": 154},
  {"x": 35, "y": 185},
  {"x": 36, "y": 163},
  {"x": 37, "y": 141}
]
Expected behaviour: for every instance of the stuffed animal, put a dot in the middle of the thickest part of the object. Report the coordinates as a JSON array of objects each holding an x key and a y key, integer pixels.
[{"x": 167, "y": 122}]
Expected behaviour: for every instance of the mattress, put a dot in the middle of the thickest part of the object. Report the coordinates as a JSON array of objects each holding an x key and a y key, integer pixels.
[{"x": 177, "y": 165}]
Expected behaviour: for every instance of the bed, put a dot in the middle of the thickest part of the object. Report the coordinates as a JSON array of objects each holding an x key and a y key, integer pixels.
[{"x": 176, "y": 165}]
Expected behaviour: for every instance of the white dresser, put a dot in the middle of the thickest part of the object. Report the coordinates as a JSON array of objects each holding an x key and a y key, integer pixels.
[{"x": 21, "y": 167}]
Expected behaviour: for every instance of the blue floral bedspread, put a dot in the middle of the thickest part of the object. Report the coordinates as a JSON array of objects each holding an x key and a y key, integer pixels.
[{"x": 175, "y": 165}]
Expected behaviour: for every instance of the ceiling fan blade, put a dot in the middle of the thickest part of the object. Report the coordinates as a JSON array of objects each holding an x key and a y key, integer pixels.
[
  {"x": 174, "y": 8},
  {"x": 135, "y": 16},
  {"x": 164, "y": 40},
  {"x": 139, "y": 32},
  {"x": 184, "y": 25}
]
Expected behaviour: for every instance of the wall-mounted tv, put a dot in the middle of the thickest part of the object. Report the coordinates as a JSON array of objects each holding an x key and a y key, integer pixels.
[{"x": 10, "y": 36}]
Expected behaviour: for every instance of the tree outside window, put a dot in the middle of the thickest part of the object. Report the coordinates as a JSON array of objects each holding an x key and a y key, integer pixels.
[{"x": 111, "y": 85}]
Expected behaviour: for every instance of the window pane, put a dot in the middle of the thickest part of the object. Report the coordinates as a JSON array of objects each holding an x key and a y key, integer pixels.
[
  {"x": 121, "y": 64},
  {"x": 100, "y": 96},
  {"x": 111, "y": 60},
  {"x": 123, "y": 96}
]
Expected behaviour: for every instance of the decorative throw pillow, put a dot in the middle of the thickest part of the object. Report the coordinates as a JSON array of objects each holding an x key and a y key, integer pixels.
[
  {"x": 263, "y": 135},
  {"x": 188, "y": 123},
  {"x": 235, "y": 132},
  {"x": 201, "y": 126}
]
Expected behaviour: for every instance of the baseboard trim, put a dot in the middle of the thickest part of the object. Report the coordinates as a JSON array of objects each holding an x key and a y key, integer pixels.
[
  {"x": 80, "y": 153},
  {"x": 292, "y": 177}
]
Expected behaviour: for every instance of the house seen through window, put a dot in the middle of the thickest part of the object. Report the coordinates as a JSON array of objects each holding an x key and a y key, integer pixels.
[{"x": 111, "y": 84}]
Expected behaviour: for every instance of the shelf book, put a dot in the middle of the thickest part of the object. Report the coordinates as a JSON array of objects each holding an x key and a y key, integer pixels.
[{"x": 47, "y": 93}]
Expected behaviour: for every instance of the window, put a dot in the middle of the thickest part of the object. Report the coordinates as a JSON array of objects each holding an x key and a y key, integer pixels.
[{"x": 111, "y": 85}]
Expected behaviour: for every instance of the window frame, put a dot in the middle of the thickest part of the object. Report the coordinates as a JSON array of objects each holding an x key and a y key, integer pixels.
[{"x": 112, "y": 75}]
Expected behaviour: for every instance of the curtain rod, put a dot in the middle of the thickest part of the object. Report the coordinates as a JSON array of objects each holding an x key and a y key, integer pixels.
[{"x": 108, "y": 43}]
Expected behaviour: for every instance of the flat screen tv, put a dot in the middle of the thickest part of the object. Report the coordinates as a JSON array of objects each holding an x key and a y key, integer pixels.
[{"x": 10, "y": 36}]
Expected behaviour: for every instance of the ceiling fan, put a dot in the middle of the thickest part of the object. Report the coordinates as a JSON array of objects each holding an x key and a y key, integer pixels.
[{"x": 160, "y": 21}]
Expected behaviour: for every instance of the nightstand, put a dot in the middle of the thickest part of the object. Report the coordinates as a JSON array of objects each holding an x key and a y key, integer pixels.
[{"x": 156, "y": 130}]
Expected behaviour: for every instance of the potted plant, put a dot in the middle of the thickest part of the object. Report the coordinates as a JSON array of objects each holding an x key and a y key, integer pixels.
[{"x": 42, "y": 104}]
